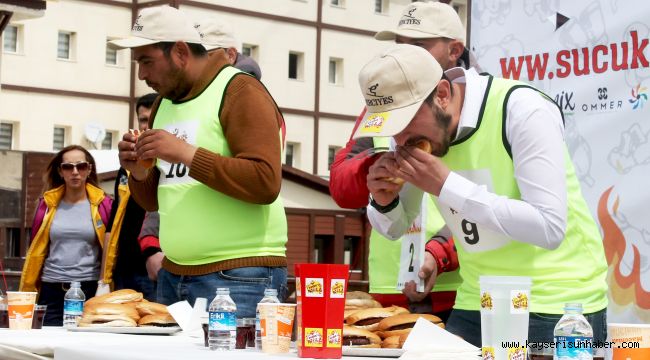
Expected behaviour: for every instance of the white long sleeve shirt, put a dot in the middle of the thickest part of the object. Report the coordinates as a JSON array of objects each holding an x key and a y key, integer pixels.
[{"x": 535, "y": 132}]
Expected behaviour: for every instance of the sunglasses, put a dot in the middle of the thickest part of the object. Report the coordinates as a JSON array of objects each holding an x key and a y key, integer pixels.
[{"x": 80, "y": 166}]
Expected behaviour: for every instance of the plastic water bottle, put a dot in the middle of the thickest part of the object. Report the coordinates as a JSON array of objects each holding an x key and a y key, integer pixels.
[
  {"x": 270, "y": 296},
  {"x": 573, "y": 335},
  {"x": 73, "y": 305},
  {"x": 222, "y": 321}
]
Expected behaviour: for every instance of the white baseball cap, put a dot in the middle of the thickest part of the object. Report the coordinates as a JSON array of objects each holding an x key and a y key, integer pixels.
[
  {"x": 159, "y": 24},
  {"x": 217, "y": 34},
  {"x": 394, "y": 84},
  {"x": 424, "y": 20}
]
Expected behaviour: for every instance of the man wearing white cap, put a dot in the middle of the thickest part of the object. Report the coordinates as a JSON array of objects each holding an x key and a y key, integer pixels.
[
  {"x": 437, "y": 28},
  {"x": 217, "y": 167},
  {"x": 217, "y": 34},
  {"x": 501, "y": 177}
]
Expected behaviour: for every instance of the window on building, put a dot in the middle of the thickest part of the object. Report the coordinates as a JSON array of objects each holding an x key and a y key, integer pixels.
[
  {"x": 6, "y": 136},
  {"x": 296, "y": 65},
  {"x": 381, "y": 6},
  {"x": 65, "y": 45},
  {"x": 288, "y": 154},
  {"x": 12, "y": 236},
  {"x": 250, "y": 51},
  {"x": 336, "y": 71},
  {"x": 352, "y": 252},
  {"x": 331, "y": 152},
  {"x": 107, "y": 143},
  {"x": 59, "y": 138},
  {"x": 340, "y": 3},
  {"x": 111, "y": 55},
  {"x": 10, "y": 39}
]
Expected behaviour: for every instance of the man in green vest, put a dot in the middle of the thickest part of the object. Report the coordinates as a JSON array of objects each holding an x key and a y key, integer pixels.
[
  {"x": 437, "y": 28},
  {"x": 502, "y": 180},
  {"x": 215, "y": 181}
]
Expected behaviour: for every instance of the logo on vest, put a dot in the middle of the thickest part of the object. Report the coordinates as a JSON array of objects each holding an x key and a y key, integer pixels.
[
  {"x": 379, "y": 99},
  {"x": 409, "y": 19}
]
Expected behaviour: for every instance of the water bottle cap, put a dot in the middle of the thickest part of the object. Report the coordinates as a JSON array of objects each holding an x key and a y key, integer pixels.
[
  {"x": 223, "y": 291},
  {"x": 75, "y": 284},
  {"x": 270, "y": 292}
]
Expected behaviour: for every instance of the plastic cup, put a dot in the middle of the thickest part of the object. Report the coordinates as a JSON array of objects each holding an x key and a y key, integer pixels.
[
  {"x": 276, "y": 323},
  {"x": 39, "y": 316},
  {"x": 625, "y": 337},
  {"x": 505, "y": 301},
  {"x": 20, "y": 306}
]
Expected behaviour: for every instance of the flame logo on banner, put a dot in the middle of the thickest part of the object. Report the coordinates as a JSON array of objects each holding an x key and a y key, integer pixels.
[{"x": 625, "y": 289}]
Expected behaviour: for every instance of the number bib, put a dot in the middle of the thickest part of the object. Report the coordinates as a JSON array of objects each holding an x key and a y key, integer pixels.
[
  {"x": 172, "y": 174},
  {"x": 412, "y": 253},
  {"x": 472, "y": 236}
]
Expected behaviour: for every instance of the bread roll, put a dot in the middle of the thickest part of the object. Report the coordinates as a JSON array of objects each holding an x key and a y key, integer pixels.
[
  {"x": 150, "y": 308},
  {"x": 160, "y": 320},
  {"x": 422, "y": 144},
  {"x": 106, "y": 321},
  {"x": 356, "y": 337},
  {"x": 402, "y": 324},
  {"x": 117, "y": 297},
  {"x": 111, "y": 309},
  {"x": 369, "y": 319}
]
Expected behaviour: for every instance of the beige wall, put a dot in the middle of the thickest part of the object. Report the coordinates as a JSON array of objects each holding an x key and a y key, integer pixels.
[
  {"x": 298, "y": 196},
  {"x": 12, "y": 170}
]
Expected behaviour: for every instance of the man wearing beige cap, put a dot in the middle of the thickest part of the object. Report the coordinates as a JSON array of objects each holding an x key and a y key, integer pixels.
[
  {"x": 217, "y": 34},
  {"x": 216, "y": 173},
  {"x": 501, "y": 177},
  {"x": 437, "y": 28}
]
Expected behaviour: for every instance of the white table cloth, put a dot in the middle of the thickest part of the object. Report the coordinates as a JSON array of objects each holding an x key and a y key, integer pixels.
[{"x": 58, "y": 343}]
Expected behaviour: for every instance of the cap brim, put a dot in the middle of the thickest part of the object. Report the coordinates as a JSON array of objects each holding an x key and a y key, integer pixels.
[
  {"x": 130, "y": 42},
  {"x": 413, "y": 34},
  {"x": 388, "y": 123}
]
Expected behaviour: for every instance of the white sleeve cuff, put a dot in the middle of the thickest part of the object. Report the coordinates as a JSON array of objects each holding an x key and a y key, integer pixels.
[{"x": 456, "y": 190}]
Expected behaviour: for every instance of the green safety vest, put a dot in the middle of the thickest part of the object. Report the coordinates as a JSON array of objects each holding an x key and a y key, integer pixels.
[
  {"x": 384, "y": 257},
  {"x": 199, "y": 225},
  {"x": 575, "y": 272}
]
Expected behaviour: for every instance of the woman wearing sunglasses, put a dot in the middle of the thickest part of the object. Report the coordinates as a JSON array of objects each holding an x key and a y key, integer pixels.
[{"x": 67, "y": 232}]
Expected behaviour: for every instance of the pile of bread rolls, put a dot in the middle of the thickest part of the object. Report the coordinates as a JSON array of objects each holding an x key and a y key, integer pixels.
[
  {"x": 377, "y": 327},
  {"x": 124, "y": 308}
]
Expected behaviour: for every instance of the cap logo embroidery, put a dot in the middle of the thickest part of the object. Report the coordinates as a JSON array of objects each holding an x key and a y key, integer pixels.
[
  {"x": 409, "y": 19},
  {"x": 381, "y": 100},
  {"x": 136, "y": 25},
  {"x": 375, "y": 122}
]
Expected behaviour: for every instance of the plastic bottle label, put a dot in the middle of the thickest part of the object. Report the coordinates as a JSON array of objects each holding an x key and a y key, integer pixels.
[
  {"x": 222, "y": 320},
  {"x": 573, "y": 347},
  {"x": 73, "y": 307}
]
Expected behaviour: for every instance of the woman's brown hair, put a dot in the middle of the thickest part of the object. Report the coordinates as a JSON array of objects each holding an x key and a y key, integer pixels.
[{"x": 53, "y": 179}]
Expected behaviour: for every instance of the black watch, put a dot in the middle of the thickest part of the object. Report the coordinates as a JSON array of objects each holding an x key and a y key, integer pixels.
[{"x": 384, "y": 209}]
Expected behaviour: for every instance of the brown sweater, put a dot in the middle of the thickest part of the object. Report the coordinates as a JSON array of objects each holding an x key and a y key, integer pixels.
[{"x": 249, "y": 118}]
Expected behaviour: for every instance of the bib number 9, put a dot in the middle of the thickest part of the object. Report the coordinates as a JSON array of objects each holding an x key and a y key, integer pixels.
[{"x": 471, "y": 232}]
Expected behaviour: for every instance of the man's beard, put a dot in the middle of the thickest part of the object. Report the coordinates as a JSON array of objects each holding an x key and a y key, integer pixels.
[
  {"x": 442, "y": 121},
  {"x": 179, "y": 87}
]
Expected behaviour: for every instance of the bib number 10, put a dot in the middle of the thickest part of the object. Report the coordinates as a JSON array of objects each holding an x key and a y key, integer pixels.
[{"x": 176, "y": 170}]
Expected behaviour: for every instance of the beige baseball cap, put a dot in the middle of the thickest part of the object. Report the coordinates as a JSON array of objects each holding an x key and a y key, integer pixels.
[
  {"x": 217, "y": 34},
  {"x": 159, "y": 24},
  {"x": 394, "y": 84},
  {"x": 424, "y": 20}
]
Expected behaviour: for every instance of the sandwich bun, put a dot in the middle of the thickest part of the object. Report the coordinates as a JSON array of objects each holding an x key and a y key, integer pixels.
[
  {"x": 158, "y": 320},
  {"x": 358, "y": 304},
  {"x": 356, "y": 337},
  {"x": 391, "y": 342},
  {"x": 147, "y": 163},
  {"x": 117, "y": 297},
  {"x": 150, "y": 308},
  {"x": 107, "y": 321},
  {"x": 369, "y": 319},
  {"x": 111, "y": 309},
  {"x": 402, "y": 324}
]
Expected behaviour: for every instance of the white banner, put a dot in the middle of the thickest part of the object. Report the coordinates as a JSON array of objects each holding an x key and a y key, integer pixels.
[{"x": 593, "y": 58}]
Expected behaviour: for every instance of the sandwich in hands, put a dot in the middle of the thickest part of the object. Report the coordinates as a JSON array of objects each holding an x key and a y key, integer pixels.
[
  {"x": 147, "y": 163},
  {"x": 422, "y": 144},
  {"x": 356, "y": 337}
]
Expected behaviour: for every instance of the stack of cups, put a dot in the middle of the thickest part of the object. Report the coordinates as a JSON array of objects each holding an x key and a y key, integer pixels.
[
  {"x": 276, "y": 324},
  {"x": 505, "y": 301}
]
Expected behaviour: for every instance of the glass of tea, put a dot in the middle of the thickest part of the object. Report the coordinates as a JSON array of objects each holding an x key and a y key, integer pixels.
[{"x": 39, "y": 315}]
